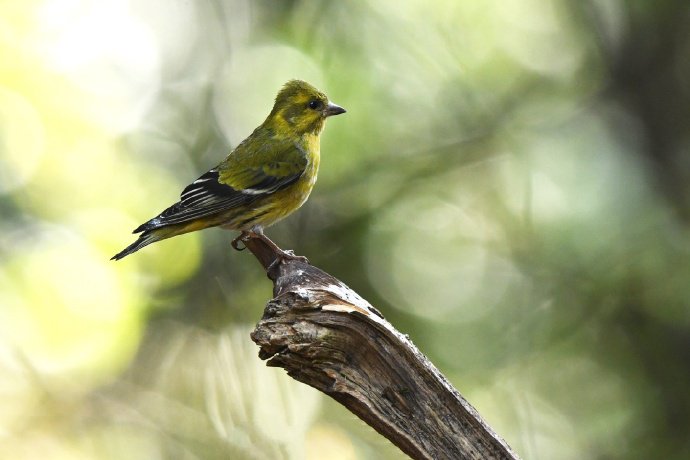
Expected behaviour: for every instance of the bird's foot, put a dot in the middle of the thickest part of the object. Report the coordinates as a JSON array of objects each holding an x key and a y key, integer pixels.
[
  {"x": 286, "y": 255},
  {"x": 280, "y": 254},
  {"x": 289, "y": 254},
  {"x": 244, "y": 236}
]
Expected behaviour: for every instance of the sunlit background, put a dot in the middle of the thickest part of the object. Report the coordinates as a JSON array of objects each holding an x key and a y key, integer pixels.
[{"x": 510, "y": 187}]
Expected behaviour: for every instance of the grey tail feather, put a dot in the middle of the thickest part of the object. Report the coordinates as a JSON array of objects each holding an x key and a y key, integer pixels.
[{"x": 145, "y": 239}]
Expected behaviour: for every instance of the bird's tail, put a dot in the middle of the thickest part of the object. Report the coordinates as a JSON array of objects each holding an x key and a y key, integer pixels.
[{"x": 144, "y": 239}]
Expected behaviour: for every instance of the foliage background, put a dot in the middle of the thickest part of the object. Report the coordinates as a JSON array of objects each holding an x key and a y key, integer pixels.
[{"x": 510, "y": 186}]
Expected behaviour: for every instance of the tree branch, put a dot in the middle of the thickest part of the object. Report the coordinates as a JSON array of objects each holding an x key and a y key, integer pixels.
[{"x": 325, "y": 335}]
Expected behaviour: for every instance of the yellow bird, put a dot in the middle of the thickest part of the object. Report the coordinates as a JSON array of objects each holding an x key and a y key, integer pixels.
[{"x": 266, "y": 178}]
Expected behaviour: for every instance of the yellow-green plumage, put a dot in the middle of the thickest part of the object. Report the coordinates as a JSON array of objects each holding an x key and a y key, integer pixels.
[{"x": 266, "y": 178}]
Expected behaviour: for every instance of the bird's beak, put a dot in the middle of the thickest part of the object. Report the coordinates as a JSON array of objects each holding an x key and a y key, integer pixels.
[{"x": 332, "y": 109}]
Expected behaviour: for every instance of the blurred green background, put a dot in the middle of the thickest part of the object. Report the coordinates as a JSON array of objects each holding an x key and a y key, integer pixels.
[{"x": 510, "y": 187}]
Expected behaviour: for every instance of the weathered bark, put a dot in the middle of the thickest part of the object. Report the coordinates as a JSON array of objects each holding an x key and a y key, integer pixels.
[{"x": 327, "y": 336}]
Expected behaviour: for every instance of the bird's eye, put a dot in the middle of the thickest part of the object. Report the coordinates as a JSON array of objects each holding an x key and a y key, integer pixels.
[{"x": 315, "y": 104}]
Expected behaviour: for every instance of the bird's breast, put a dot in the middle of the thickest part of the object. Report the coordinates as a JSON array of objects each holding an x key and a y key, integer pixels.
[
  {"x": 299, "y": 193},
  {"x": 284, "y": 202}
]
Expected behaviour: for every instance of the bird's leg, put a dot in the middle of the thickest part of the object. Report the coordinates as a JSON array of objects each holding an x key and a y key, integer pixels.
[
  {"x": 257, "y": 232},
  {"x": 244, "y": 236}
]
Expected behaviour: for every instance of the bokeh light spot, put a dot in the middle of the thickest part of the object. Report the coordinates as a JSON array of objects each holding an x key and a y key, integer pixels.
[{"x": 22, "y": 140}]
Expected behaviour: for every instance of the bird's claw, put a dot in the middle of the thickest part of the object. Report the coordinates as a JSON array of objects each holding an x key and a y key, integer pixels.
[
  {"x": 287, "y": 254},
  {"x": 240, "y": 239},
  {"x": 281, "y": 255},
  {"x": 290, "y": 254}
]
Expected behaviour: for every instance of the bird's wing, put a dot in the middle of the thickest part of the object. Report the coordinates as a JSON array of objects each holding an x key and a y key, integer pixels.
[{"x": 239, "y": 180}]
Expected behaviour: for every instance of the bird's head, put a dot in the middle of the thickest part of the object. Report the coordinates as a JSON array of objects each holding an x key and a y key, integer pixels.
[{"x": 301, "y": 108}]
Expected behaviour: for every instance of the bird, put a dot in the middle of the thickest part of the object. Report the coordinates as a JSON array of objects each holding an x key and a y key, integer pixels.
[{"x": 267, "y": 177}]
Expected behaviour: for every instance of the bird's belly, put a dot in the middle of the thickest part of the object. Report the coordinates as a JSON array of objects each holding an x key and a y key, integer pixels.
[{"x": 277, "y": 206}]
